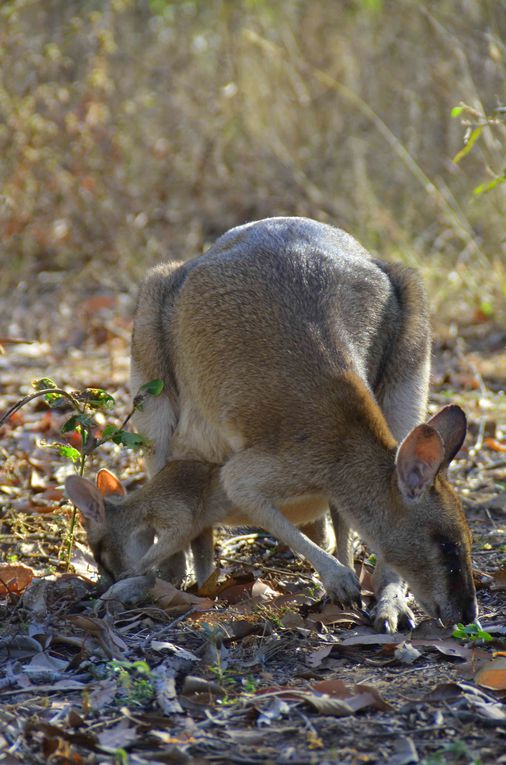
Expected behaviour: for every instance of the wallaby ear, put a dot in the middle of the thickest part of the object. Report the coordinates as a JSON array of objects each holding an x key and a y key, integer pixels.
[
  {"x": 86, "y": 497},
  {"x": 107, "y": 483},
  {"x": 418, "y": 459},
  {"x": 451, "y": 424}
]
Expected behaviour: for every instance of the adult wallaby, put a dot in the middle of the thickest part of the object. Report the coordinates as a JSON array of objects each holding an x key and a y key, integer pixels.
[{"x": 298, "y": 362}]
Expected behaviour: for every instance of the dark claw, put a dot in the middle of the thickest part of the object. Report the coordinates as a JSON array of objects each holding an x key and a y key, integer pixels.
[
  {"x": 406, "y": 623},
  {"x": 357, "y": 603}
]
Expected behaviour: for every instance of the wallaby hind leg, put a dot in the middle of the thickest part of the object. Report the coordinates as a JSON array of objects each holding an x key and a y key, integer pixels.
[
  {"x": 174, "y": 569},
  {"x": 344, "y": 538},
  {"x": 252, "y": 480},
  {"x": 203, "y": 555},
  {"x": 321, "y": 534}
]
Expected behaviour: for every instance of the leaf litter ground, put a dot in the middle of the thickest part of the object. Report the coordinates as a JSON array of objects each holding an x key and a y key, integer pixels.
[{"x": 256, "y": 667}]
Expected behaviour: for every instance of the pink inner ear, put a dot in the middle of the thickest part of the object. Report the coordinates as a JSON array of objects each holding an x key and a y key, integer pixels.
[
  {"x": 428, "y": 447},
  {"x": 108, "y": 484},
  {"x": 419, "y": 457}
]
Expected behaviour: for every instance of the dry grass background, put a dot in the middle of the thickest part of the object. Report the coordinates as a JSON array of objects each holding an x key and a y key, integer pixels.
[{"x": 132, "y": 131}]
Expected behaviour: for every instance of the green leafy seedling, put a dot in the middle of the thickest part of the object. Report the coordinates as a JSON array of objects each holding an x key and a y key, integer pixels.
[
  {"x": 455, "y": 752},
  {"x": 85, "y": 404},
  {"x": 136, "y": 680},
  {"x": 471, "y": 632}
]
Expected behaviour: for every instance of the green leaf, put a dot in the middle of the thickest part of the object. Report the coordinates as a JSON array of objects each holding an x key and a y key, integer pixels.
[
  {"x": 475, "y": 134},
  {"x": 457, "y": 111},
  {"x": 64, "y": 450},
  {"x": 373, "y": 5},
  {"x": 96, "y": 398},
  {"x": 484, "y": 187},
  {"x": 109, "y": 432},
  {"x": 471, "y": 632},
  {"x": 77, "y": 422},
  {"x": 487, "y": 308},
  {"x": 41, "y": 383},
  {"x": 153, "y": 388},
  {"x": 130, "y": 440}
]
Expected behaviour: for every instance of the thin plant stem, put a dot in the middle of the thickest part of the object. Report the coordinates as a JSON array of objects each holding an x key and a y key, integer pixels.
[{"x": 27, "y": 399}]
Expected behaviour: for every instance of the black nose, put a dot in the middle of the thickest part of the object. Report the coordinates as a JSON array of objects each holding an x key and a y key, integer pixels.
[{"x": 469, "y": 611}]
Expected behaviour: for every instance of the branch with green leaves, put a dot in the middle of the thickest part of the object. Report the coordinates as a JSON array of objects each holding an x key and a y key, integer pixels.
[
  {"x": 475, "y": 122},
  {"x": 86, "y": 403}
]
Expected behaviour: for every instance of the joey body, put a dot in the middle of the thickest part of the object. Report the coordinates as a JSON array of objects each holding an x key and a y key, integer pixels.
[{"x": 300, "y": 364}]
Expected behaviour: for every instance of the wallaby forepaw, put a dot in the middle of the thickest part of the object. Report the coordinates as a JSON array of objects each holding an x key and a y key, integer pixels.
[
  {"x": 343, "y": 588},
  {"x": 393, "y": 615}
]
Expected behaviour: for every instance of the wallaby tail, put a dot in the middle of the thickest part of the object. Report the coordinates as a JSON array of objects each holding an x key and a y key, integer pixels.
[{"x": 151, "y": 339}]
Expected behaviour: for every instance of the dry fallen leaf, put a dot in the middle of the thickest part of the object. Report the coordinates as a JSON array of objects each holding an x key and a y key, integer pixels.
[
  {"x": 170, "y": 598},
  {"x": 128, "y": 592},
  {"x": 327, "y": 705},
  {"x": 357, "y": 696},
  {"x": 499, "y": 580},
  {"x": 495, "y": 445},
  {"x": 332, "y": 697},
  {"x": 315, "y": 659},
  {"x": 405, "y": 653},
  {"x": 454, "y": 649},
  {"x": 209, "y": 589},
  {"x": 108, "y": 639},
  {"x": 493, "y": 674},
  {"x": 14, "y": 578},
  {"x": 373, "y": 639},
  {"x": 333, "y": 614},
  {"x": 238, "y": 591}
]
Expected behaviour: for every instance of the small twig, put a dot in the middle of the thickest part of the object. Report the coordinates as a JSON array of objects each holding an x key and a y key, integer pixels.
[
  {"x": 45, "y": 689},
  {"x": 498, "y": 464},
  {"x": 267, "y": 568},
  {"x": 15, "y": 341},
  {"x": 27, "y": 399},
  {"x": 243, "y": 537},
  {"x": 101, "y": 441}
]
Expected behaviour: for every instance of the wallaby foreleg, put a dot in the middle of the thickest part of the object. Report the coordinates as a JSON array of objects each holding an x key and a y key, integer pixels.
[
  {"x": 247, "y": 478},
  {"x": 391, "y": 611}
]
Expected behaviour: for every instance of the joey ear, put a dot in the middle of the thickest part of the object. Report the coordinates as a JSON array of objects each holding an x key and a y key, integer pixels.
[
  {"x": 86, "y": 497},
  {"x": 451, "y": 424},
  {"x": 418, "y": 459},
  {"x": 107, "y": 483}
]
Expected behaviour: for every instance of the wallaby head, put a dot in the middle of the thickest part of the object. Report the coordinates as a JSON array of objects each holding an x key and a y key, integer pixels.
[
  {"x": 149, "y": 529},
  {"x": 115, "y": 537},
  {"x": 428, "y": 541}
]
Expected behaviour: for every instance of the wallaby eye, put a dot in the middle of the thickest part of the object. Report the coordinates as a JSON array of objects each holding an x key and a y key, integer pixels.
[
  {"x": 449, "y": 548},
  {"x": 102, "y": 561},
  {"x": 451, "y": 555}
]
